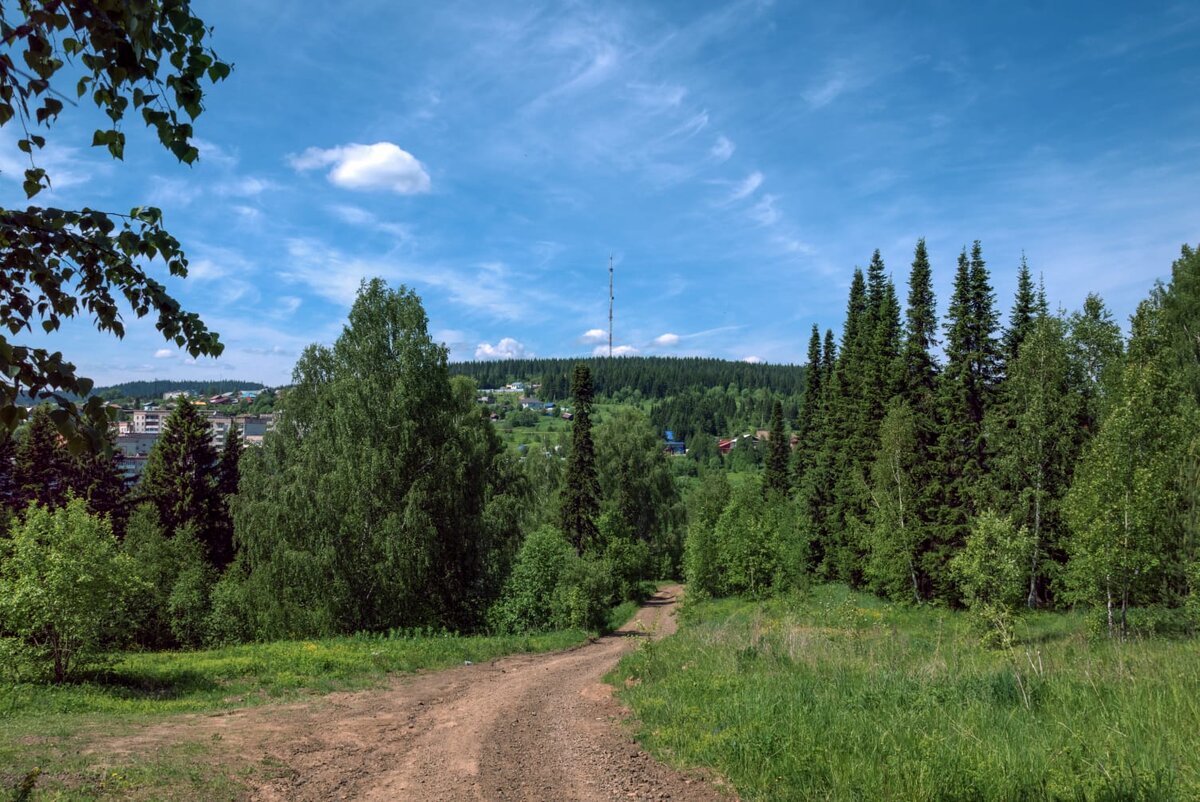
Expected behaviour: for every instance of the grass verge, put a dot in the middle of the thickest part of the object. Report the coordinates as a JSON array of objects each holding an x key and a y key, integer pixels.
[
  {"x": 46, "y": 727},
  {"x": 839, "y": 696}
]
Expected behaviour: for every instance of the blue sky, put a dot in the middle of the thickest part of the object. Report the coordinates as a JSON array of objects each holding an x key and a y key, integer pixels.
[{"x": 736, "y": 159}]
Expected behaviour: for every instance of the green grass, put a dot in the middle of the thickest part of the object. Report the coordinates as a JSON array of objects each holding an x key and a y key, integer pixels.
[
  {"x": 45, "y": 727},
  {"x": 839, "y": 696}
]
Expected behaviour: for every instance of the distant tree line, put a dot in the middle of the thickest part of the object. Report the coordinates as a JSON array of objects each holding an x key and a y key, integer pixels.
[
  {"x": 156, "y": 388},
  {"x": 1047, "y": 450},
  {"x": 651, "y": 377}
]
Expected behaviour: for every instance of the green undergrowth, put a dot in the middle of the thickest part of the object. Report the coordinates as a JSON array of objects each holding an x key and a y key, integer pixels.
[
  {"x": 837, "y": 695},
  {"x": 46, "y": 727}
]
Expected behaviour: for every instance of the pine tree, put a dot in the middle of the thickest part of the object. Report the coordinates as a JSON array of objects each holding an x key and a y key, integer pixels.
[
  {"x": 581, "y": 486},
  {"x": 776, "y": 481},
  {"x": 180, "y": 480}
]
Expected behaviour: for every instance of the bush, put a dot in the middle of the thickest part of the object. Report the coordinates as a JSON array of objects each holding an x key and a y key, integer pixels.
[
  {"x": 991, "y": 572},
  {"x": 525, "y": 603},
  {"x": 64, "y": 588},
  {"x": 584, "y": 595},
  {"x": 228, "y": 619},
  {"x": 552, "y": 588},
  {"x": 172, "y": 603}
]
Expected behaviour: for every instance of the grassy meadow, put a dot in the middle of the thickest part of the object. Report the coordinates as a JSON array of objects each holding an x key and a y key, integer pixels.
[
  {"x": 836, "y": 695},
  {"x": 48, "y": 727}
]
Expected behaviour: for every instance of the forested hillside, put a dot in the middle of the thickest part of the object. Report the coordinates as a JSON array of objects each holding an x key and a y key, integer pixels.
[
  {"x": 652, "y": 377},
  {"x": 156, "y": 387}
]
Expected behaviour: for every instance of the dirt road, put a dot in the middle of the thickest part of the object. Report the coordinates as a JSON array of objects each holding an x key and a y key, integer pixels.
[{"x": 529, "y": 727}]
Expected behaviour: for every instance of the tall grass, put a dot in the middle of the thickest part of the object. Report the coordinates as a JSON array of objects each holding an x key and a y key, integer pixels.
[{"x": 840, "y": 696}]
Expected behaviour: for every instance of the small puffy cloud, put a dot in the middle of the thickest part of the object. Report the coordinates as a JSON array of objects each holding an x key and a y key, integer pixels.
[
  {"x": 164, "y": 353},
  {"x": 666, "y": 340},
  {"x": 722, "y": 149},
  {"x": 752, "y": 359},
  {"x": 618, "y": 350},
  {"x": 594, "y": 336},
  {"x": 507, "y": 348},
  {"x": 381, "y": 166}
]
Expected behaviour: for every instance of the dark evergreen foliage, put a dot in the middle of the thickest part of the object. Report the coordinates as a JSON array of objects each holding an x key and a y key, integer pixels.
[
  {"x": 777, "y": 480},
  {"x": 180, "y": 480},
  {"x": 581, "y": 486}
]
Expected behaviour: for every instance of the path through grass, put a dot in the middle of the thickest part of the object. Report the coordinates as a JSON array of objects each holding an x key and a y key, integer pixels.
[{"x": 840, "y": 696}]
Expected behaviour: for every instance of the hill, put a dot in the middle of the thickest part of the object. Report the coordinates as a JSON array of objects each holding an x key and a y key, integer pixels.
[{"x": 654, "y": 377}]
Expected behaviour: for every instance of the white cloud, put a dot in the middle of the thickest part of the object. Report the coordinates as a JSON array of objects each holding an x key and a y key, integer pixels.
[
  {"x": 381, "y": 166},
  {"x": 752, "y": 359},
  {"x": 666, "y": 340},
  {"x": 722, "y": 149},
  {"x": 746, "y": 187},
  {"x": 164, "y": 353},
  {"x": 507, "y": 348},
  {"x": 764, "y": 212},
  {"x": 594, "y": 336},
  {"x": 618, "y": 350}
]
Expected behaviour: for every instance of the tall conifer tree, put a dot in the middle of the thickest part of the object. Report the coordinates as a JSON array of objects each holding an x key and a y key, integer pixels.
[
  {"x": 966, "y": 390},
  {"x": 810, "y": 406},
  {"x": 180, "y": 479},
  {"x": 776, "y": 480},
  {"x": 1024, "y": 311},
  {"x": 581, "y": 486},
  {"x": 42, "y": 465}
]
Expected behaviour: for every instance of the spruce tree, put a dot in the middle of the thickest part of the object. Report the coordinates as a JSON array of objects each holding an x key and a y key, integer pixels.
[
  {"x": 920, "y": 394},
  {"x": 967, "y": 386},
  {"x": 776, "y": 481},
  {"x": 581, "y": 486},
  {"x": 180, "y": 480},
  {"x": 226, "y": 489},
  {"x": 849, "y": 436},
  {"x": 42, "y": 466},
  {"x": 1024, "y": 311},
  {"x": 810, "y": 406},
  {"x": 99, "y": 479}
]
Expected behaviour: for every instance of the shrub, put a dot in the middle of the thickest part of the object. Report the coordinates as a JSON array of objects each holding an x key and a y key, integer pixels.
[
  {"x": 228, "y": 620},
  {"x": 64, "y": 588},
  {"x": 525, "y": 603},
  {"x": 990, "y": 571}
]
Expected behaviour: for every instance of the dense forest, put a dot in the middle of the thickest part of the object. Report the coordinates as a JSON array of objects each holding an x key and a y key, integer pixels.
[
  {"x": 650, "y": 377},
  {"x": 1042, "y": 463},
  {"x": 156, "y": 387}
]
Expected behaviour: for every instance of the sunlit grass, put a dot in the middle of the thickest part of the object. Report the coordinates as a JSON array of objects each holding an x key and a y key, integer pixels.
[{"x": 840, "y": 696}]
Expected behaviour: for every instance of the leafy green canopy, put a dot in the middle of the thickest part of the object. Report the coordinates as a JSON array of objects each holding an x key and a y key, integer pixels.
[
  {"x": 57, "y": 263},
  {"x": 383, "y": 498}
]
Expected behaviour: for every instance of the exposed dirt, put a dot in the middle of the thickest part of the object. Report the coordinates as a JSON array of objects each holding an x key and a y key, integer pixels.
[{"x": 528, "y": 727}]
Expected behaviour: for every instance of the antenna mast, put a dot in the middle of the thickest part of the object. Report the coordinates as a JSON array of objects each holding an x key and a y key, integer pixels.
[{"x": 610, "y": 303}]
